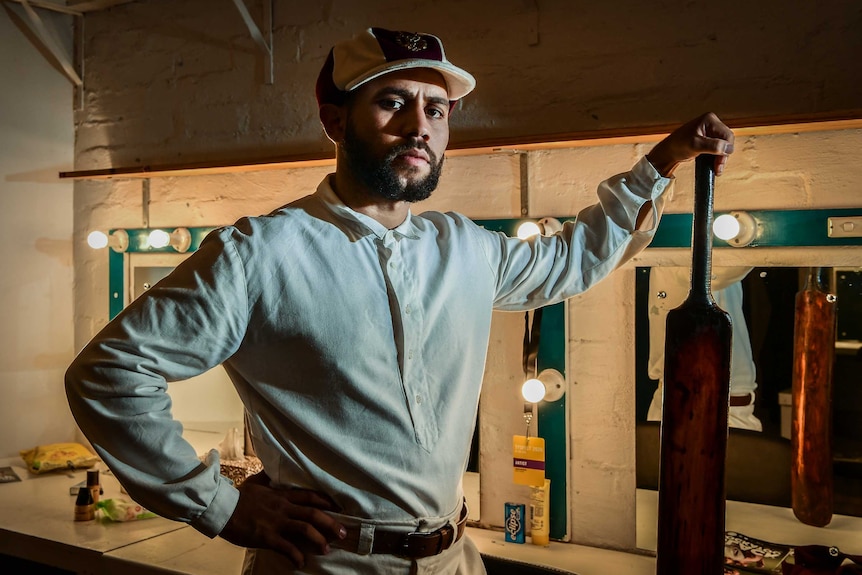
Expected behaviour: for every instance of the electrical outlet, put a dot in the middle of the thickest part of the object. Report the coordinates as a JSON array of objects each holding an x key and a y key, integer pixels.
[{"x": 850, "y": 227}]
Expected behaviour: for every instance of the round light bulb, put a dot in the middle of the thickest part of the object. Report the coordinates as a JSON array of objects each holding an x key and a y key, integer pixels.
[
  {"x": 533, "y": 390},
  {"x": 737, "y": 228},
  {"x": 159, "y": 239},
  {"x": 528, "y": 229},
  {"x": 726, "y": 227},
  {"x": 550, "y": 226},
  {"x": 97, "y": 240},
  {"x": 181, "y": 239}
]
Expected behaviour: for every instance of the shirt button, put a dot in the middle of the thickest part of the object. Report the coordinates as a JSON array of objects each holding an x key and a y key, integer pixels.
[
  {"x": 418, "y": 398},
  {"x": 407, "y": 309}
]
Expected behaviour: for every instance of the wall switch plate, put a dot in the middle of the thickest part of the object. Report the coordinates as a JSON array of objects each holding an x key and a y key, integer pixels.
[{"x": 850, "y": 227}]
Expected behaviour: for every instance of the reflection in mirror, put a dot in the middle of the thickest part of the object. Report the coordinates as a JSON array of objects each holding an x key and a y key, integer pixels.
[
  {"x": 207, "y": 405},
  {"x": 763, "y": 301}
]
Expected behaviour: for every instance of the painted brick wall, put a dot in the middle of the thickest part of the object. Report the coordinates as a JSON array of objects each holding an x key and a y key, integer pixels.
[
  {"x": 790, "y": 171},
  {"x": 182, "y": 81},
  {"x": 171, "y": 81}
]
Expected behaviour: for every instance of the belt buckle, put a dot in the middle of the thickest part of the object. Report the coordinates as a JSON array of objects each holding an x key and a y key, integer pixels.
[{"x": 439, "y": 535}]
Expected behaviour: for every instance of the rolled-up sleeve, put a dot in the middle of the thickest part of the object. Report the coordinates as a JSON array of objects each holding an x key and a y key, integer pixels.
[{"x": 547, "y": 269}]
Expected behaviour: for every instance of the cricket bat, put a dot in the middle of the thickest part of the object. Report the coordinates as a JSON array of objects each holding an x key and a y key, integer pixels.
[
  {"x": 691, "y": 508},
  {"x": 811, "y": 421}
]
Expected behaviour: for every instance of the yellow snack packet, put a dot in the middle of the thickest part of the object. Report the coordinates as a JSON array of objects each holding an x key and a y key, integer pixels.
[{"x": 58, "y": 456}]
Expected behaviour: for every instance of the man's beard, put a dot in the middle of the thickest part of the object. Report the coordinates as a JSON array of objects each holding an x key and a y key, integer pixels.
[{"x": 378, "y": 175}]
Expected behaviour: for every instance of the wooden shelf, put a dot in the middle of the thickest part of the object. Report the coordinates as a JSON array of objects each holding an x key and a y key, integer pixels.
[{"x": 746, "y": 127}]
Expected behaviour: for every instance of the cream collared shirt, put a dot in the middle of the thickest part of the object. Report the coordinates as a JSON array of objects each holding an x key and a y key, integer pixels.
[{"x": 357, "y": 350}]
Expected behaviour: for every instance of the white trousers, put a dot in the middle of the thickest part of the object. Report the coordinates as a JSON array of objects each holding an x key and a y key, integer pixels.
[{"x": 741, "y": 417}]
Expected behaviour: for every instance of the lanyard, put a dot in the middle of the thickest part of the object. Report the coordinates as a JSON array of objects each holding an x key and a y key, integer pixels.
[
  {"x": 531, "y": 343},
  {"x": 531, "y": 357}
]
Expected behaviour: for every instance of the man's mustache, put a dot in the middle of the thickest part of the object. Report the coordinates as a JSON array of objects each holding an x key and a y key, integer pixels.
[{"x": 413, "y": 144}]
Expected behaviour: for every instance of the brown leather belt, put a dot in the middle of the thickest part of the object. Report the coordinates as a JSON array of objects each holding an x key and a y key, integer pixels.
[
  {"x": 412, "y": 545},
  {"x": 740, "y": 400}
]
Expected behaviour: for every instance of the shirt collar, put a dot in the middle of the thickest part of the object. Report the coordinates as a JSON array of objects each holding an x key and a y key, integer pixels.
[{"x": 361, "y": 223}]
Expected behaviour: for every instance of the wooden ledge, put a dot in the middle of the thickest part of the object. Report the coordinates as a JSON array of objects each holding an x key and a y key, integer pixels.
[{"x": 748, "y": 127}]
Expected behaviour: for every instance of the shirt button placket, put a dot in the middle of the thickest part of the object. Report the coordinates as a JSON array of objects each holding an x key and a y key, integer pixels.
[{"x": 402, "y": 283}]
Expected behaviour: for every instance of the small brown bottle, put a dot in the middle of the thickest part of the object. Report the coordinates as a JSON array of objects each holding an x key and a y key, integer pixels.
[
  {"x": 93, "y": 484},
  {"x": 85, "y": 507}
]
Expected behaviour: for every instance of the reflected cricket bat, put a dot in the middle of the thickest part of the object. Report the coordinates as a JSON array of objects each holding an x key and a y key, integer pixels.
[
  {"x": 695, "y": 410},
  {"x": 811, "y": 428}
]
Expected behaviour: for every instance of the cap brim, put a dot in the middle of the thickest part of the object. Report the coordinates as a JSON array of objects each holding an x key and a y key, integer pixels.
[{"x": 459, "y": 82}]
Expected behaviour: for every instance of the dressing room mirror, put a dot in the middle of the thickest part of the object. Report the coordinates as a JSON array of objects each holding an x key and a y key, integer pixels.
[
  {"x": 501, "y": 416},
  {"x": 207, "y": 405},
  {"x": 768, "y": 309}
]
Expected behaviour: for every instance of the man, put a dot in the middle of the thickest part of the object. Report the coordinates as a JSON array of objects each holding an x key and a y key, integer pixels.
[
  {"x": 669, "y": 287},
  {"x": 354, "y": 331}
]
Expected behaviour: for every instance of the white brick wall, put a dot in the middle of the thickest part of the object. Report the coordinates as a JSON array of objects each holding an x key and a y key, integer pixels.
[
  {"x": 170, "y": 81},
  {"x": 174, "y": 81},
  {"x": 792, "y": 171}
]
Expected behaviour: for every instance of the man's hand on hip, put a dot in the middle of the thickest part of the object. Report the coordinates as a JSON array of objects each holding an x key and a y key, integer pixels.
[{"x": 292, "y": 522}]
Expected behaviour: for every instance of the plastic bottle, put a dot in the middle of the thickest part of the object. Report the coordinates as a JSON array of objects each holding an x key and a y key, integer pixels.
[{"x": 540, "y": 513}]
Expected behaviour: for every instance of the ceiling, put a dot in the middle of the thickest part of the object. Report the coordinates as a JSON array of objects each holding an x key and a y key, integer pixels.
[{"x": 74, "y": 6}]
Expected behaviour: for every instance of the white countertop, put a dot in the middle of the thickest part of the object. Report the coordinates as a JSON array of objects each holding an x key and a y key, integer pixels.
[
  {"x": 193, "y": 554},
  {"x": 566, "y": 556},
  {"x": 183, "y": 551},
  {"x": 37, "y": 520},
  {"x": 774, "y": 524},
  {"x": 40, "y": 504},
  {"x": 36, "y": 523},
  {"x": 188, "y": 552}
]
